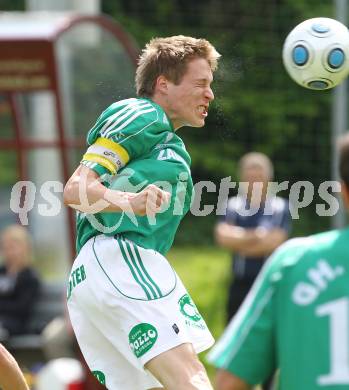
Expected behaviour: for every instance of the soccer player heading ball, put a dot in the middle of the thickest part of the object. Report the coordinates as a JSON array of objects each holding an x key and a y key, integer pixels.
[{"x": 136, "y": 325}]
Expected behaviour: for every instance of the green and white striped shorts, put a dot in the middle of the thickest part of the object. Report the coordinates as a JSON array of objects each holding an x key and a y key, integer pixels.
[{"x": 127, "y": 305}]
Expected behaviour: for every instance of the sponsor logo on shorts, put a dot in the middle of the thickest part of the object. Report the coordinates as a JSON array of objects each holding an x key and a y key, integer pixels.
[
  {"x": 188, "y": 308},
  {"x": 99, "y": 376},
  {"x": 142, "y": 338},
  {"x": 76, "y": 277}
]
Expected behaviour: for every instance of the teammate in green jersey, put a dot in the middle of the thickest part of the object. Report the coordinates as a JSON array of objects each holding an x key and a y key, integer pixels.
[
  {"x": 296, "y": 317},
  {"x": 136, "y": 325}
]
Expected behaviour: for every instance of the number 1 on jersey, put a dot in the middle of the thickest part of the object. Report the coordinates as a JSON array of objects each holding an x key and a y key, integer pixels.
[{"x": 338, "y": 312}]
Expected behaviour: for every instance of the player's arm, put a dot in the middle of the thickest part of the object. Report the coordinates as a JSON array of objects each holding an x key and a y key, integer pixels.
[
  {"x": 225, "y": 380},
  {"x": 85, "y": 192},
  {"x": 247, "y": 347},
  {"x": 110, "y": 150},
  {"x": 266, "y": 241},
  {"x": 249, "y": 242},
  {"x": 11, "y": 377}
]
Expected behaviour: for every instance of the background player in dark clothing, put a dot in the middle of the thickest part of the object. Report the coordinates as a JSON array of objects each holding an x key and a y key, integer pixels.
[
  {"x": 253, "y": 227},
  {"x": 19, "y": 283}
]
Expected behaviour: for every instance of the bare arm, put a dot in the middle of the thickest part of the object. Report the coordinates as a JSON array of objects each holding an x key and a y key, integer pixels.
[
  {"x": 228, "y": 381},
  {"x": 11, "y": 377},
  {"x": 87, "y": 194},
  {"x": 249, "y": 242}
]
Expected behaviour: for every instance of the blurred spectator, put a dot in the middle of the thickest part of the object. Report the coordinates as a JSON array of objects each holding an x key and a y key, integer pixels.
[
  {"x": 11, "y": 377},
  {"x": 254, "y": 225},
  {"x": 58, "y": 338},
  {"x": 296, "y": 317},
  {"x": 19, "y": 283}
]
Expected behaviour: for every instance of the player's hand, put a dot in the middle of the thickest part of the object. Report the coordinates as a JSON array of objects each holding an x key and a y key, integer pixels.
[{"x": 149, "y": 201}]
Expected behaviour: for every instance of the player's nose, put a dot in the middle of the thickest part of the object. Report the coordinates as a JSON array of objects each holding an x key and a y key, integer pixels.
[{"x": 209, "y": 94}]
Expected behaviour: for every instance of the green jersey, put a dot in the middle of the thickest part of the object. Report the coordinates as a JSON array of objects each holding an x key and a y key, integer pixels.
[
  {"x": 296, "y": 318},
  {"x": 132, "y": 145}
]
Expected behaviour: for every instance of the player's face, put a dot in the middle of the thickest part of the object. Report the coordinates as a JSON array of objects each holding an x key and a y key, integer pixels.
[
  {"x": 14, "y": 250},
  {"x": 255, "y": 181},
  {"x": 254, "y": 174},
  {"x": 188, "y": 101}
]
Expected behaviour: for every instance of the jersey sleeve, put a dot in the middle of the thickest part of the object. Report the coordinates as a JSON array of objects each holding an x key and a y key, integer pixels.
[
  {"x": 247, "y": 346},
  {"x": 124, "y": 132}
]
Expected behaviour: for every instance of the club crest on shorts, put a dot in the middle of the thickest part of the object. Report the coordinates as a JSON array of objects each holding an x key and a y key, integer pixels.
[
  {"x": 188, "y": 308},
  {"x": 142, "y": 338},
  {"x": 99, "y": 375}
]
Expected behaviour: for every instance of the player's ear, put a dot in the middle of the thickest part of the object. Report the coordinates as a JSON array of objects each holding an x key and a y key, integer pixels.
[
  {"x": 161, "y": 84},
  {"x": 345, "y": 195}
]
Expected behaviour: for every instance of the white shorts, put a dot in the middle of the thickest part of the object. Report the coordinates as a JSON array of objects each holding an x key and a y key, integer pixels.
[{"x": 127, "y": 305}]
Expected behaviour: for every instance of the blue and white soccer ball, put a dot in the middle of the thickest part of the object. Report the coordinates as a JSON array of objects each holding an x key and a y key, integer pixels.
[{"x": 316, "y": 53}]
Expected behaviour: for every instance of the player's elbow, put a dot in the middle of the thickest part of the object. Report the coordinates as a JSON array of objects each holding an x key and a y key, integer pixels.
[
  {"x": 218, "y": 237},
  {"x": 222, "y": 239},
  {"x": 77, "y": 194},
  {"x": 227, "y": 381},
  {"x": 70, "y": 193},
  {"x": 215, "y": 234},
  {"x": 279, "y": 237}
]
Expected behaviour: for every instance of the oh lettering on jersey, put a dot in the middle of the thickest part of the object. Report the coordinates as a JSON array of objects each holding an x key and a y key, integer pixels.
[{"x": 319, "y": 278}]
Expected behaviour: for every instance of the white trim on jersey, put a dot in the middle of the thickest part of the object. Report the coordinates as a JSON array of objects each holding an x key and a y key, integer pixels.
[
  {"x": 116, "y": 104},
  {"x": 124, "y": 102},
  {"x": 119, "y": 116},
  {"x": 226, "y": 339},
  {"x": 136, "y": 115},
  {"x": 246, "y": 330},
  {"x": 149, "y": 124},
  {"x": 126, "y": 111}
]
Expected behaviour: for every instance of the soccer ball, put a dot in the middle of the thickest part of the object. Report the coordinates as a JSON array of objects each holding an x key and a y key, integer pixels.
[{"x": 316, "y": 53}]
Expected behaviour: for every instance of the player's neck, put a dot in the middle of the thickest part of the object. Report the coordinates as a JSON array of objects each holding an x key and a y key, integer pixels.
[{"x": 161, "y": 101}]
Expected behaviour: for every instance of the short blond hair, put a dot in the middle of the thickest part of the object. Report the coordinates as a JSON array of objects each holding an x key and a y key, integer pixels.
[
  {"x": 255, "y": 159},
  {"x": 169, "y": 57}
]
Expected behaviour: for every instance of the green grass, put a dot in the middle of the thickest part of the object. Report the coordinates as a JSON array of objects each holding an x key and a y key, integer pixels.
[{"x": 205, "y": 272}]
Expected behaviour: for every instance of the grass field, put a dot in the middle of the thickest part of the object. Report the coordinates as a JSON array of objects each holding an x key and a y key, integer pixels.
[{"x": 205, "y": 272}]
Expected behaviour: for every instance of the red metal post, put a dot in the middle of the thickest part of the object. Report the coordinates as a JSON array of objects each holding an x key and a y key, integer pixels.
[
  {"x": 18, "y": 141},
  {"x": 64, "y": 164}
]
